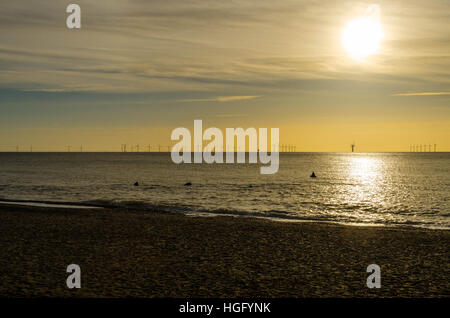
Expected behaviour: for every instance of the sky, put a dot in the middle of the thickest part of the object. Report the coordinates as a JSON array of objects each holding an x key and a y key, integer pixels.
[{"x": 138, "y": 69}]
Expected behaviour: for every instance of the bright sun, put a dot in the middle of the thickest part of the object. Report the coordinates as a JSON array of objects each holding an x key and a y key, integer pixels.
[{"x": 362, "y": 36}]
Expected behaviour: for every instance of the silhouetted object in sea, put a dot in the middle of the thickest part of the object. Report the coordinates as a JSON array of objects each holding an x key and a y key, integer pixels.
[
  {"x": 313, "y": 175},
  {"x": 188, "y": 184},
  {"x": 136, "y": 184}
]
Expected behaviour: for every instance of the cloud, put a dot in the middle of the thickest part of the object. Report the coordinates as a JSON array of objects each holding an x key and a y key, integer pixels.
[
  {"x": 219, "y": 47},
  {"x": 47, "y": 90},
  {"x": 422, "y": 94},
  {"x": 231, "y": 115},
  {"x": 221, "y": 99}
]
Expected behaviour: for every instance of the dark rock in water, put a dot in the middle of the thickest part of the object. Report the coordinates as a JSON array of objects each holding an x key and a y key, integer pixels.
[
  {"x": 136, "y": 184},
  {"x": 313, "y": 175},
  {"x": 188, "y": 184}
]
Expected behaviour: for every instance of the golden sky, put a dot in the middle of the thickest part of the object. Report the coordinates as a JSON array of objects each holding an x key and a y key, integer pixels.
[{"x": 138, "y": 69}]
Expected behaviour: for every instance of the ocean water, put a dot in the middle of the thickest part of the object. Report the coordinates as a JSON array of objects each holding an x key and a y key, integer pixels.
[{"x": 399, "y": 189}]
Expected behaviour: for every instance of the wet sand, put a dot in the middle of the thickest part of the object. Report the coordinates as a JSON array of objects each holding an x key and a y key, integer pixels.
[{"x": 149, "y": 254}]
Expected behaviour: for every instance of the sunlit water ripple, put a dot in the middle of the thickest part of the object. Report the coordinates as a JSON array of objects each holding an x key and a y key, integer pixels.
[{"x": 409, "y": 189}]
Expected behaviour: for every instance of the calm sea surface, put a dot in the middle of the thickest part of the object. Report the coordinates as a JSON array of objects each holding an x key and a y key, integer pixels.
[{"x": 410, "y": 189}]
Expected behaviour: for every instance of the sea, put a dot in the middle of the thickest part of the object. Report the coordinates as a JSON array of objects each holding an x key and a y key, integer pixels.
[{"x": 376, "y": 189}]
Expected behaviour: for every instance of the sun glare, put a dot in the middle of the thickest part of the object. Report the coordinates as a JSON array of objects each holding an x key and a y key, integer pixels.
[{"x": 362, "y": 36}]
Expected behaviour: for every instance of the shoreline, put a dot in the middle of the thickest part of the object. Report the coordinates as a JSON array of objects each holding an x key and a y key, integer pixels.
[
  {"x": 299, "y": 221},
  {"x": 159, "y": 254},
  {"x": 87, "y": 206}
]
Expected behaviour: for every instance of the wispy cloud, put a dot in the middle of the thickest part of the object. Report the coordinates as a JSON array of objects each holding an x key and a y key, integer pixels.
[
  {"x": 221, "y": 99},
  {"x": 137, "y": 46},
  {"x": 230, "y": 115},
  {"x": 422, "y": 94},
  {"x": 47, "y": 90}
]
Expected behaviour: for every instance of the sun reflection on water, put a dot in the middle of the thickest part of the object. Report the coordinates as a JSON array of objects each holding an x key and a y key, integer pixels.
[
  {"x": 364, "y": 187},
  {"x": 364, "y": 169}
]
